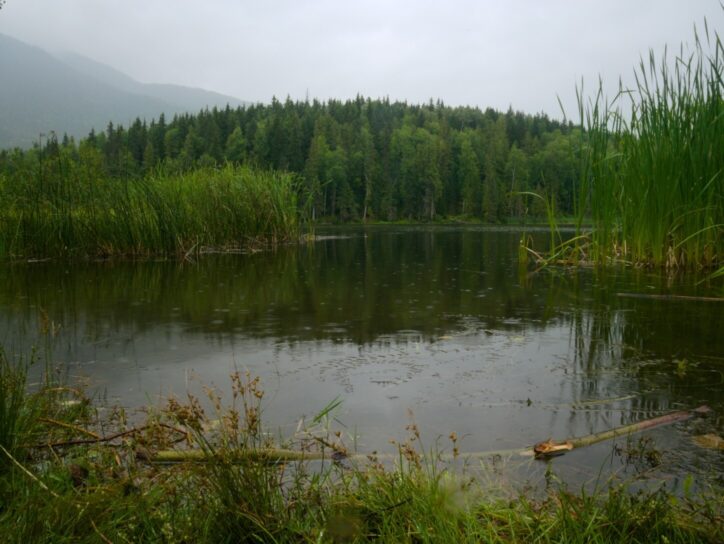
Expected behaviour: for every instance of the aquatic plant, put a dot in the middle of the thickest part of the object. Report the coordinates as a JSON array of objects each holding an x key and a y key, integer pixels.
[
  {"x": 652, "y": 180},
  {"x": 65, "y": 209},
  {"x": 13, "y": 408}
]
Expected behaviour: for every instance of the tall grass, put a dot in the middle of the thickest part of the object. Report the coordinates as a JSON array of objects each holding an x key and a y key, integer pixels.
[
  {"x": 24, "y": 413},
  {"x": 63, "y": 208},
  {"x": 15, "y": 409},
  {"x": 652, "y": 180}
]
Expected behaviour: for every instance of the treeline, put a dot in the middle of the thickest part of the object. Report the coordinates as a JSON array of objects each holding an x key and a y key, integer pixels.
[{"x": 355, "y": 160}]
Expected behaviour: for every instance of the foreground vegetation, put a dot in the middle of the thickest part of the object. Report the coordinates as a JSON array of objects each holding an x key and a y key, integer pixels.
[
  {"x": 72, "y": 471},
  {"x": 69, "y": 208}
]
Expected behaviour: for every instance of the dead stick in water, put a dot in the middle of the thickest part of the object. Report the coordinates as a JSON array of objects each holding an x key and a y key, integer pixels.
[
  {"x": 277, "y": 456},
  {"x": 595, "y": 438},
  {"x": 101, "y": 439},
  {"x": 669, "y": 297},
  {"x": 69, "y": 426},
  {"x": 666, "y": 419}
]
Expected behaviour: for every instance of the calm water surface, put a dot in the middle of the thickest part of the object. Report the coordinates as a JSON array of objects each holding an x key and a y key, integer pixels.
[{"x": 438, "y": 324}]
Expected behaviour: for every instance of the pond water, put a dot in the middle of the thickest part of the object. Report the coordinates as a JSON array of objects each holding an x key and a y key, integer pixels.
[{"x": 438, "y": 324}]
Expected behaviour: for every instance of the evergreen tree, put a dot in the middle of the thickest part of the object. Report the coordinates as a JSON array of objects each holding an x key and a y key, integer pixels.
[
  {"x": 150, "y": 158},
  {"x": 369, "y": 166},
  {"x": 496, "y": 147},
  {"x": 358, "y": 158},
  {"x": 469, "y": 176},
  {"x": 136, "y": 140},
  {"x": 173, "y": 142},
  {"x": 235, "y": 149},
  {"x": 315, "y": 173},
  {"x": 517, "y": 172},
  {"x": 192, "y": 149}
]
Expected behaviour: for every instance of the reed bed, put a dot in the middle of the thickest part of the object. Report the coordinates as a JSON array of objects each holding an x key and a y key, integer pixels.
[
  {"x": 68, "y": 210},
  {"x": 73, "y": 473},
  {"x": 652, "y": 170}
]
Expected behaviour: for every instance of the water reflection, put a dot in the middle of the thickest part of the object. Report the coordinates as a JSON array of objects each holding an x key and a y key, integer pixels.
[
  {"x": 353, "y": 289},
  {"x": 438, "y": 320}
]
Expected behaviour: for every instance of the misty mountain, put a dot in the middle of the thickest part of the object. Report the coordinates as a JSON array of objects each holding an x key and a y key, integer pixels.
[
  {"x": 189, "y": 98},
  {"x": 72, "y": 94}
]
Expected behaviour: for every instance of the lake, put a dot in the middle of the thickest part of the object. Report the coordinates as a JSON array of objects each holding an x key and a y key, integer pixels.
[{"x": 436, "y": 324}]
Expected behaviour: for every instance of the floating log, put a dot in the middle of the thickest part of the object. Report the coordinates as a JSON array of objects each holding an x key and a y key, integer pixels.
[{"x": 280, "y": 456}]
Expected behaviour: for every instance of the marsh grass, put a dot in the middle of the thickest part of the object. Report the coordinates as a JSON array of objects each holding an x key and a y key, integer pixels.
[
  {"x": 64, "y": 208},
  {"x": 569, "y": 251},
  {"x": 16, "y": 410},
  {"x": 64, "y": 486},
  {"x": 652, "y": 181},
  {"x": 25, "y": 413}
]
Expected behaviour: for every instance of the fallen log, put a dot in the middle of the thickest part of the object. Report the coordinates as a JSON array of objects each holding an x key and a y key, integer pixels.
[
  {"x": 667, "y": 419},
  {"x": 625, "y": 430},
  {"x": 539, "y": 450}
]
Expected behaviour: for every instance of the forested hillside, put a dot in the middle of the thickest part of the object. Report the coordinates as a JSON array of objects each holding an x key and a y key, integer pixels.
[{"x": 356, "y": 160}]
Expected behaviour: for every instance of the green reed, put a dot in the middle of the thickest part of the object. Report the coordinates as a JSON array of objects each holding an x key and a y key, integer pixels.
[
  {"x": 14, "y": 408},
  {"x": 652, "y": 179},
  {"x": 66, "y": 208}
]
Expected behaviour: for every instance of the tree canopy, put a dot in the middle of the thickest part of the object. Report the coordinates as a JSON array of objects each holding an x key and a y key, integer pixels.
[{"x": 355, "y": 160}]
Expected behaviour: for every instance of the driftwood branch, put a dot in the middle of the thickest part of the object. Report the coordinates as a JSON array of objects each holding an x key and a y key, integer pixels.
[
  {"x": 69, "y": 426},
  {"x": 277, "y": 456},
  {"x": 595, "y": 438},
  {"x": 666, "y": 419},
  {"x": 669, "y": 297},
  {"x": 109, "y": 438}
]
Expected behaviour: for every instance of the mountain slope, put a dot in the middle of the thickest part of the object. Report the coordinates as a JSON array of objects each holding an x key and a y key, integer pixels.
[
  {"x": 39, "y": 94},
  {"x": 188, "y": 98}
]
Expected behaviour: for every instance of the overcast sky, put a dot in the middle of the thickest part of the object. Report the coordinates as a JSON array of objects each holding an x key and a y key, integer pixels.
[{"x": 485, "y": 53}]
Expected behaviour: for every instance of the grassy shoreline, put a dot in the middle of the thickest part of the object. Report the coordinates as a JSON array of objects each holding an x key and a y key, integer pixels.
[{"x": 71, "y": 471}]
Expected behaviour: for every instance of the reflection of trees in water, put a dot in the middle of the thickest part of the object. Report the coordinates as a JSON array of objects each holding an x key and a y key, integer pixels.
[
  {"x": 669, "y": 352},
  {"x": 632, "y": 350},
  {"x": 366, "y": 288},
  {"x": 354, "y": 289}
]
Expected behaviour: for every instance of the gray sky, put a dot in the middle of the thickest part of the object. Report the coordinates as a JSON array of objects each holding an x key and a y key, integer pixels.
[{"x": 485, "y": 53}]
